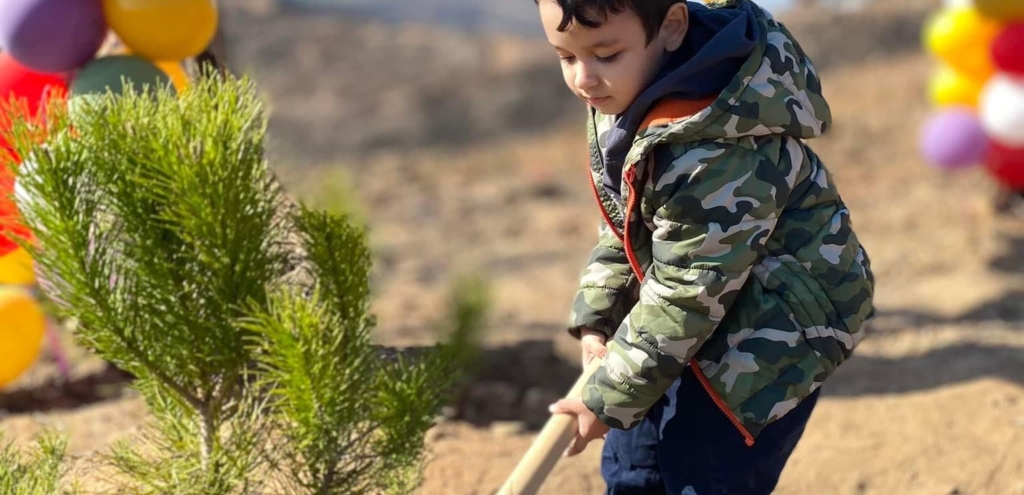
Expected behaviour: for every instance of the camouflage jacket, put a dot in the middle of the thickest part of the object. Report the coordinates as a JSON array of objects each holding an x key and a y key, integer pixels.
[{"x": 730, "y": 251}]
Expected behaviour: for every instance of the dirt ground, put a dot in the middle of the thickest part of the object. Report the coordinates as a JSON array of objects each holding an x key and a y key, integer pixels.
[{"x": 932, "y": 404}]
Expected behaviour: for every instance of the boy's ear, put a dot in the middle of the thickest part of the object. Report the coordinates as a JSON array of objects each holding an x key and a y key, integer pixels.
[{"x": 675, "y": 25}]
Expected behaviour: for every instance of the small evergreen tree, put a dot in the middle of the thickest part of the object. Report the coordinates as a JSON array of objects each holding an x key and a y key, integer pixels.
[
  {"x": 243, "y": 316},
  {"x": 41, "y": 472}
]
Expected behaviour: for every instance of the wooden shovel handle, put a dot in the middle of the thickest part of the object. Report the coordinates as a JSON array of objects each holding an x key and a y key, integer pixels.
[{"x": 547, "y": 448}]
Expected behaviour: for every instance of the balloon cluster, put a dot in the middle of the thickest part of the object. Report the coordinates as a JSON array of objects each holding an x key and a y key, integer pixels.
[
  {"x": 978, "y": 88},
  {"x": 66, "y": 49}
]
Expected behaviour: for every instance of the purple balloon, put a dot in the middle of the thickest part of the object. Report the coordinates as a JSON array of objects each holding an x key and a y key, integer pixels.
[
  {"x": 954, "y": 138},
  {"x": 52, "y": 35}
]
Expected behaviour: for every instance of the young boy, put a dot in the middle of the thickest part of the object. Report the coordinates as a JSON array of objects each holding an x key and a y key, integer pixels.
[{"x": 727, "y": 281}]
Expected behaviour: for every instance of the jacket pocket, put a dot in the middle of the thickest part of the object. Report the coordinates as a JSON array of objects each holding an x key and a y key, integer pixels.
[{"x": 810, "y": 309}]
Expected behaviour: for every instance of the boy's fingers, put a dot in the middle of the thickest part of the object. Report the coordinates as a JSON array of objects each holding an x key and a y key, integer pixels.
[
  {"x": 579, "y": 444},
  {"x": 592, "y": 347},
  {"x": 565, "y": 406}
]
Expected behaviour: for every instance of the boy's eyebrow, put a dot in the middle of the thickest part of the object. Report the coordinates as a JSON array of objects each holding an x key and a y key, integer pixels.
[
  {"x": 600, "y": 44},
  {"x": 605, "y": 43}
]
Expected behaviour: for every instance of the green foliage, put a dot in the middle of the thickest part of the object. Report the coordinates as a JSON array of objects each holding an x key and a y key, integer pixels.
[
  {"x": 161, "y": 231},
  {"x": 163, "y": 460},
  {"x": 40, "y": 472},
  {"x": 356, "y": 422}
]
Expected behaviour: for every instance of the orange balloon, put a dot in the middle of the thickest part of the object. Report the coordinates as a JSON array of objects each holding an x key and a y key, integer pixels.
[
  {"x": 163, "y": 29},
  {"x": 22, "y": 327},
  {"x": 1006, "y": 10},
  {"x": 16, "y": 268},
  {"x": 176, "y": 72}
]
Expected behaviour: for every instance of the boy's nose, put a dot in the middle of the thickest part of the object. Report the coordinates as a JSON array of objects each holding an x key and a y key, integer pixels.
[{"x": 586, "y": 78}]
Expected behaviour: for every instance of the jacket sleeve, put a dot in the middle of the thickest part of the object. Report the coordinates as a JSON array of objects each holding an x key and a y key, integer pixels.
[
  {"x": 714, "y": 205},
  {"x": 607, "y": 287}
]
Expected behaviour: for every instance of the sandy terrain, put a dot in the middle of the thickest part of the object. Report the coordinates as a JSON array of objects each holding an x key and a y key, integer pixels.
[{"x": 933, "y": 403}]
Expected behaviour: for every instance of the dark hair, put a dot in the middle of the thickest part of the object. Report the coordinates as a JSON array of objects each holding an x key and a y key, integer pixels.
[{"x": 593, "y": 13}]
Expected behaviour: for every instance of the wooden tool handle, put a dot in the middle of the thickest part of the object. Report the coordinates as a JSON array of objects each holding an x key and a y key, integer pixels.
[{"x": 552, "y": 440}]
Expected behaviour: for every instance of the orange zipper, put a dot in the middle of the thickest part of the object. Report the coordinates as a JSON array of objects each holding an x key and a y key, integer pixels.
[
  {"x": 635, "y": 264},
  {"x": 747, "y": 437},
  {"x": 630, "y": 255}
]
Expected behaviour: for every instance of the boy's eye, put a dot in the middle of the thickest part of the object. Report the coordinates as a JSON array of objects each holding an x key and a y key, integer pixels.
[
  {"x": 610, "y": 58},
  {"x": 567, "y": 58}
]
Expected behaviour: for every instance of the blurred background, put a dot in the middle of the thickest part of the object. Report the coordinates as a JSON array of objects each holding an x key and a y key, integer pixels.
[{"x": 446, "y": 125}]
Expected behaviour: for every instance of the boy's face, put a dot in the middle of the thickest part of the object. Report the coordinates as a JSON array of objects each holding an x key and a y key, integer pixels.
[{"x": 610, "y": 65}]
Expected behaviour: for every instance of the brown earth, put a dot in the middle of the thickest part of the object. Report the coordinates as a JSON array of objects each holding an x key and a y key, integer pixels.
[{"x": 933, "y": 403}]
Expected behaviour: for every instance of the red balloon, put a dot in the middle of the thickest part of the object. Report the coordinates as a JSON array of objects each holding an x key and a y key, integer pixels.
[
  {"x": 9, "y": 215},
  {"x": 18, "y": 80},
  {"x": 1007, "y": 165},
  {"x": 1008, "y": 49},
  {"x": 31, "y": 88}
]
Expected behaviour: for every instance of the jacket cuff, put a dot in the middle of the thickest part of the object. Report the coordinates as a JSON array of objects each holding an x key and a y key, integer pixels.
[
  {"x": 603, "y": 397},
  {"x": 576, "y": 331},
  {"x": 596, "y": 309}
]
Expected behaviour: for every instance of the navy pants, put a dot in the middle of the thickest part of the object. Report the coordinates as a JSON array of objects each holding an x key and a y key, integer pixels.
[{"x": 687, "y": 446}]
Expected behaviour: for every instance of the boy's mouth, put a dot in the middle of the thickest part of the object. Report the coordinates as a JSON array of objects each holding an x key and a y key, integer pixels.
[{"x": 597, "y": 101}]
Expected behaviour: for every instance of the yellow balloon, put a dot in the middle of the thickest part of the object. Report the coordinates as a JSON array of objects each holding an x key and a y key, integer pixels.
[
  {"x": 163, "y": 29},
  {"x": 176, "y": 72},
  {"x": 22, "y": 326},
  {"x": 949, "y": 87},
  {"x": 16, "y": 268},
  {"x": 963, "y": 38}
]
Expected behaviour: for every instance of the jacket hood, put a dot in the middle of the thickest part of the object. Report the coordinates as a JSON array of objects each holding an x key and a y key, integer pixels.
[{"x": 748, "y": 66}]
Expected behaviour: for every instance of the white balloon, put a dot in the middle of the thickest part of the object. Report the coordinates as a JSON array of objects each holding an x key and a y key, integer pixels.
[{"x": 1002, "y": 109}]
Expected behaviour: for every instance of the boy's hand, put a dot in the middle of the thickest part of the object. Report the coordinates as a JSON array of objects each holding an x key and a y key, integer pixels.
[
  {"x": 588, "y": 426},
  {"x": 592, "y": 344}
]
